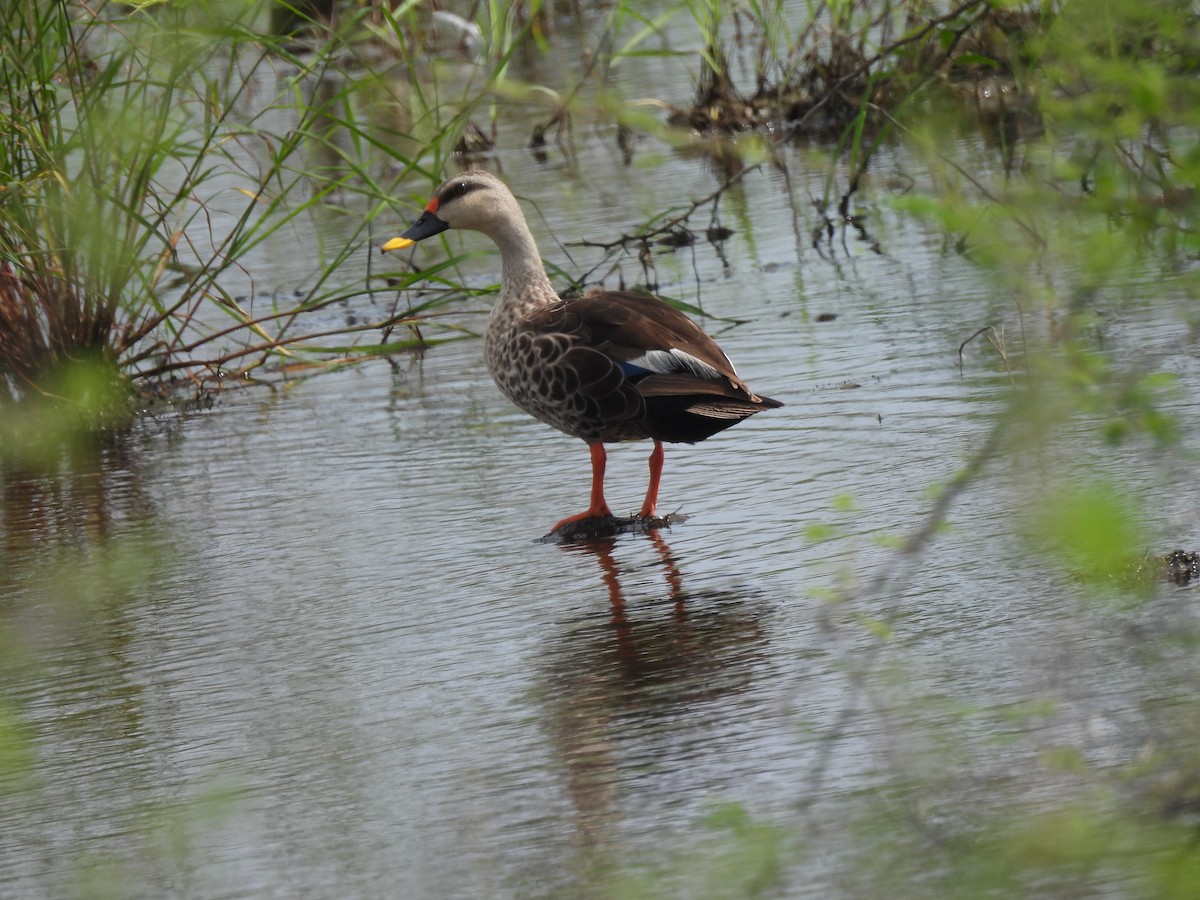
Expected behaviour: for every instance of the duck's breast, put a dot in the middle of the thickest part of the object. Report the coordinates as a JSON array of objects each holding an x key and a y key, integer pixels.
[{"x": 549, "y": 370}]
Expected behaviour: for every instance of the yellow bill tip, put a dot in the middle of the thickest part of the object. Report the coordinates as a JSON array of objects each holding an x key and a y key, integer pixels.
[{"x": 396, "y": 244}]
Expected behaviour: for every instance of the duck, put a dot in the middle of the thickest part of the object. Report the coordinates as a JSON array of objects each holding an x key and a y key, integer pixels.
[{"x": 605, "y": 366}]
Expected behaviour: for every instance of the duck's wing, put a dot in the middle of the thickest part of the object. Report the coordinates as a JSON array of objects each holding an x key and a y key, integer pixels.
[
  {"x": 647, "y": 337},
  {"x": 621, "y": 340}
]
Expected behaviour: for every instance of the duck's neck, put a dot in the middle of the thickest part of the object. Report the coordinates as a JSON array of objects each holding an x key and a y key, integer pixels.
[{"x": 523, "y": 280}]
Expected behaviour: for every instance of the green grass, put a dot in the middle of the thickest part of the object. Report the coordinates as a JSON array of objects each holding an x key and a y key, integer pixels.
[{"x": 127, "y": 200}]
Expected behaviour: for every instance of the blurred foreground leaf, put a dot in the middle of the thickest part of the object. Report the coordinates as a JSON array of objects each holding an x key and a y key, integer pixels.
[{"x": 1094, "y": 530}]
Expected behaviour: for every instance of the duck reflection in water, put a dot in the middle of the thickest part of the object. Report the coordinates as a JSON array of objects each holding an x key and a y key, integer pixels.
[{"x": 639, "y": 693}]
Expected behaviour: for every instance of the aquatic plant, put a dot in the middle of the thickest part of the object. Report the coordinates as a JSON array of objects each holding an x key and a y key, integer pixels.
[{"x": 129, "y": 196}]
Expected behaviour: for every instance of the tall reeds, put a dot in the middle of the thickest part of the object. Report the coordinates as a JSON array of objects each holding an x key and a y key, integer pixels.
[
  {"x": 126, "y": 194},
  {"x": 102, "y": 160}
]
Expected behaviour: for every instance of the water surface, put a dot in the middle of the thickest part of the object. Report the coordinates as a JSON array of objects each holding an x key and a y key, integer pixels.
[{"x": 350, "y": 668}]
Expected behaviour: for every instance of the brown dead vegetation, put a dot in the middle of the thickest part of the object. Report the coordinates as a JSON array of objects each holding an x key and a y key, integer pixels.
[{"x": 840, "y": 75}]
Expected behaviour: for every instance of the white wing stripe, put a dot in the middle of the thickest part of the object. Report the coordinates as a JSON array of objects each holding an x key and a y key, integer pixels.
[{"x": 666, "y": 362}]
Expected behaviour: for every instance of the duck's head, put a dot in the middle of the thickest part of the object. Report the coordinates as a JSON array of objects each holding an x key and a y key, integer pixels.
[{"x": 475, "y": 200}]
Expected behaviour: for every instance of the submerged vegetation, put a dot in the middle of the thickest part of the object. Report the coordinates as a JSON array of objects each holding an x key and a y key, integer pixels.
[{"x": 153, "y": 154}]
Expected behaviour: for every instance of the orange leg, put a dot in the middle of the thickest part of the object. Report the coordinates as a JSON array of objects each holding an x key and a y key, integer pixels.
[
  {"x": 597, "y": 509},
  {"x": 656, "y": 464}
]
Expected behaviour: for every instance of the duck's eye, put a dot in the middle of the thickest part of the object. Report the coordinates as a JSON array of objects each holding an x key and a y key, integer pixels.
[{"x": 459, "y": 189}]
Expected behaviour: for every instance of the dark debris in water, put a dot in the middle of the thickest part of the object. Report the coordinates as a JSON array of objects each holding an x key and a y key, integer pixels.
[
  {"x": 1180, "y": 566},
  {"x": 474, "y": 142},
  {"x": 676, "y": 238},
  {"x": 600, "y": 527}
]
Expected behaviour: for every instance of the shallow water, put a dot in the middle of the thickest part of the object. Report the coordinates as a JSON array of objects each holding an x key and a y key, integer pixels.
[{"x": 349, "y": 667}]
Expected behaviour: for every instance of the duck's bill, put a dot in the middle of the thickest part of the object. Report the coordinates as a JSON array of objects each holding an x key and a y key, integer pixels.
[{"x": 426, "y": 226}]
